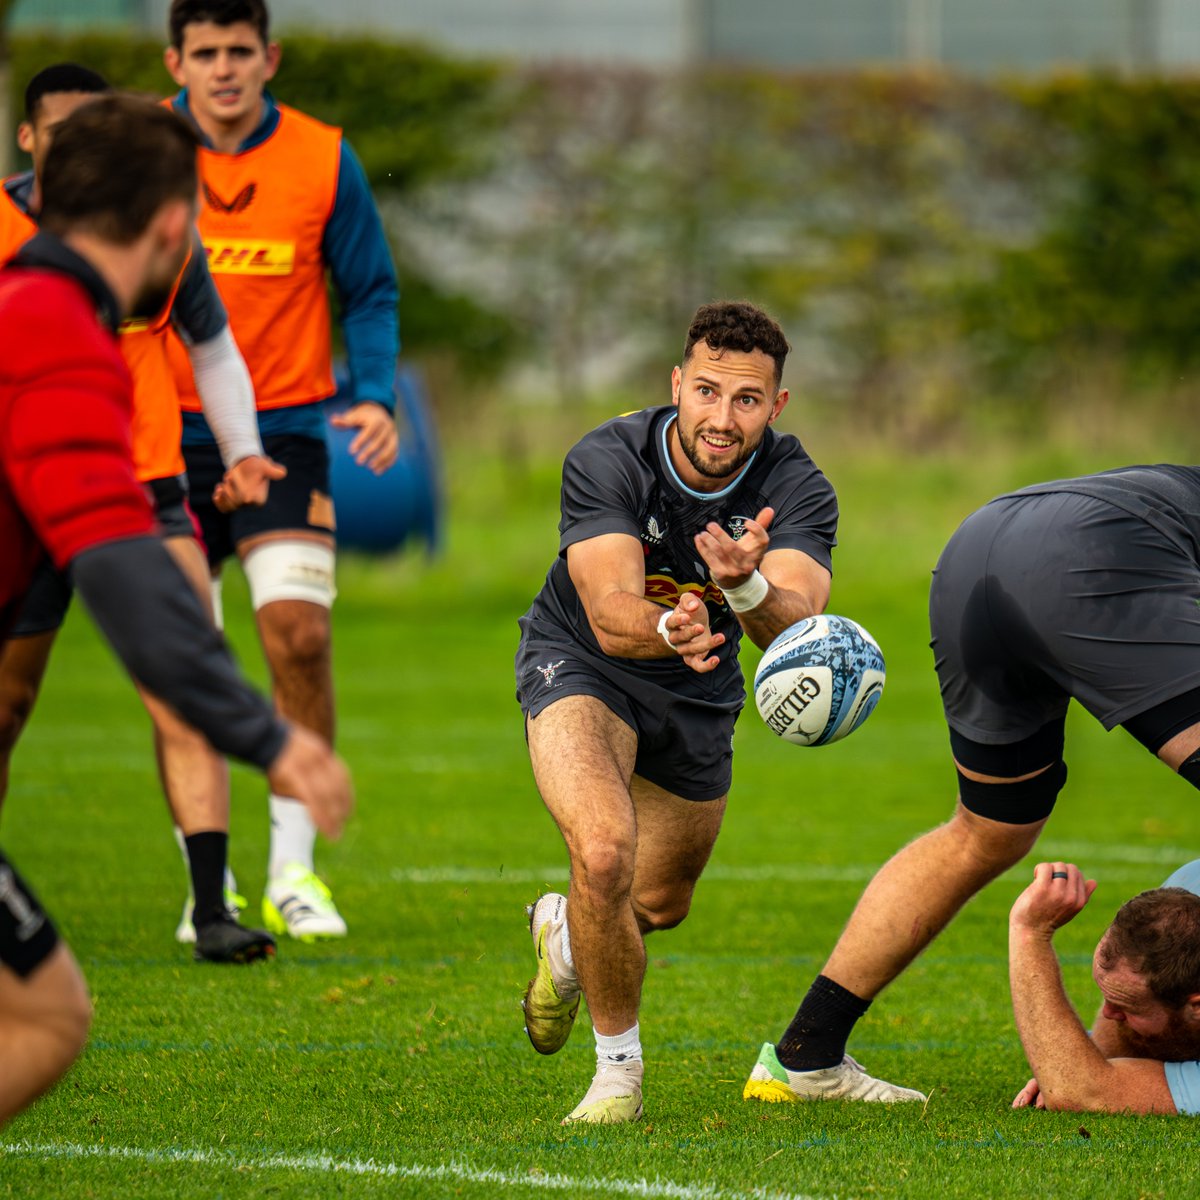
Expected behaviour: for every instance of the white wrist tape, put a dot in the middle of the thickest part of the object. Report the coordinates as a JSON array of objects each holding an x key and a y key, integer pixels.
[
  {"x": 747, "y": 595},
  {"x": 662, "y": 628}
]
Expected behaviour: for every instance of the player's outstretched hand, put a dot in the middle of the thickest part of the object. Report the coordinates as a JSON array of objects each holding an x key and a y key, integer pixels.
[
  {"x": 688, "y": 631},
  {"x": 1029, "y": 1095},
  {"x": 377, "y": 443},
  {"x": 308, "y": 770},
  {"x": 247, "y": 483},
  {"x": 732, "y": 562},
  {"x": 1056, "y": 895}
]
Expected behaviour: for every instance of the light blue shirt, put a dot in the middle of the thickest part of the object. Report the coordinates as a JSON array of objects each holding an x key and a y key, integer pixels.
[{"x": 1183, "y": 1078}]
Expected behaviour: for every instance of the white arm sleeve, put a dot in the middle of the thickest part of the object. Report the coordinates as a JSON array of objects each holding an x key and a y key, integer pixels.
[{"x": 227, "y": 396}]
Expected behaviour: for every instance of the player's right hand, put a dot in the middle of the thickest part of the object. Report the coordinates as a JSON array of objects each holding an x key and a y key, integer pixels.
[
  {"x": 1057, "y": 895},
  {"x": 1029, "y": 1096},
  {"x": 689, "y": 633},
  {"x": 247, "y": 483},
  {"x": 308, "y": 770}
]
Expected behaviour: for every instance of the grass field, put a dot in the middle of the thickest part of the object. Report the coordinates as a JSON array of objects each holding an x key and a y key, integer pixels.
[{"x": 394, "y": 1063}]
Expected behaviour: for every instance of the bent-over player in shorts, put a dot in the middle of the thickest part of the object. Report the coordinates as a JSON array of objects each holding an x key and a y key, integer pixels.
[
  {"x": 682, "y": 526},
  {"x": 1085, "y": 589}
]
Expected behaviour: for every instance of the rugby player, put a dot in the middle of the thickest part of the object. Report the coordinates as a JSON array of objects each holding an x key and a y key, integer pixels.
[
  {"x": 285, "y": 202},
  {"x": 1082, "y": 588},
  {"x": 1141, "y": 1056},
  {"x": 682, "y": 526},
  {"x": 195, "y": 779},
  {"x": 116, "y": 213}
]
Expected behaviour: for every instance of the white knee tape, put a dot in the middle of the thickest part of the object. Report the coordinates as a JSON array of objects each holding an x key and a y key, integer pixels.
[
  {"x": 218, "y": 609},
  {"x": 287, "y": 570}
]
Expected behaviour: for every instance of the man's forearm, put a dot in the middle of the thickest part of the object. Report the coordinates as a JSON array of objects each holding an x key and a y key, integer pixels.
[
  {"x": 779, "y": 609},
  {"x": 1071, "y": 1071},
  {"x": 626, "y": 626}
]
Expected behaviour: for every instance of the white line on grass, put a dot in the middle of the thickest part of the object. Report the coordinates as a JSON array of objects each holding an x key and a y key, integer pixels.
[
  {"x": 1084, "y": 853},
  {"x": 652, "y": 1189}
]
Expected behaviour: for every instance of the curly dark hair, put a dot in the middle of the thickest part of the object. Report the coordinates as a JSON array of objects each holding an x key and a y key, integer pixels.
[
  {"x": 1158, "y": 934},
  {"x": 220, "y": 12},
  {"x": 737, "y": 325}
]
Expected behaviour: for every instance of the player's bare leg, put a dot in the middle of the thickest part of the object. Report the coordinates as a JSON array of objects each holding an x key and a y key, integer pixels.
[
  {"x": 22, "y": 668},
  {"x": 296, "y": 638},
  {"x": 909, "y": 902},
  {"x": 636, "y": 852},
  {"x": 195, "y": 781},
  {"x": 44, "y": 1021},
  {"x": 915, "y": 894},
  {"x": 582, "y": 756}
]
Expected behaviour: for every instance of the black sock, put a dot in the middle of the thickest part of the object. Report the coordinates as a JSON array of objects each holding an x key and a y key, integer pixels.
[
  {"x": 206, "y": 856},
  {"x": 817, "y": 1036}
]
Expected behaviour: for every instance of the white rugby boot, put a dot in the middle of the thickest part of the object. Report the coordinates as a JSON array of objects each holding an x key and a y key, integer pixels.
[
  {"x": 614, "y": 1097},
  {"x": 299, "y": 904},
  {"x": 551, "y": 1000},
  {"x": 771, "y": 1081}
]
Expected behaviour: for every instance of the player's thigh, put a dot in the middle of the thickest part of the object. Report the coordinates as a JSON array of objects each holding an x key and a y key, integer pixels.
[
  {"x": 582, "y": 755},
  {"x": 675, "y": 838},
  {"x": 190, "y": 558}
]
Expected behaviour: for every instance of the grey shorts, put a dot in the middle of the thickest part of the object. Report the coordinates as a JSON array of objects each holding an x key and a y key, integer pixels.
[
  {"x": 1040, "y": 599},
  {"x": 683, "y": 746}
]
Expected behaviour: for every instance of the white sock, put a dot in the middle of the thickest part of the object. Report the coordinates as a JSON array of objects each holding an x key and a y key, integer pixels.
[
  {"x": 187, "y": 862},
  {"x": 620, "y": 1048},
  {"x": 564, "y": 944},
  {"x": 292, "y": 835}
]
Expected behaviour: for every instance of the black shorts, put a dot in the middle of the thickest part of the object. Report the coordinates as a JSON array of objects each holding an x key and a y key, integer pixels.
[
  {"x": 299, "y": 501},
  {"x": 683, "y": 746},
  {"x": 27, "y": 935},
  {"x": 1038, "y": 599},
  {"x": 171, "y": 507},
  {"x": 48, "y": 597}
]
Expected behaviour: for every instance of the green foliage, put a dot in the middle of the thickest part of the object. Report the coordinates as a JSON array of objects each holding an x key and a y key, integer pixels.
[{"x": 944, "y": 252}]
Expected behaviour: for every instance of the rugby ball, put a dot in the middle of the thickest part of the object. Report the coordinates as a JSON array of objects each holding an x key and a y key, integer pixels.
[{"x": 819, "y": 680}]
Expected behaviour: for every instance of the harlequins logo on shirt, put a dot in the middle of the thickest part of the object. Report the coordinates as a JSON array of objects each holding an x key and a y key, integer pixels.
[
  {"x": 736, "y": 527},
  {"x": 550, "y": 670},
  {"x": 239, "y": 203}
]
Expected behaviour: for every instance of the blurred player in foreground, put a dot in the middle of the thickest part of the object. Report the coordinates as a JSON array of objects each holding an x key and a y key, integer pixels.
[
  {"x": 195, "y": 779},
  {"x": 682, "y": 526},
  {"x": 1083, "y": 588},
  {"x": 1142, "y": 1055},
  {"x": 118, "y": 205},
  {"x": 285, "y": 202}
]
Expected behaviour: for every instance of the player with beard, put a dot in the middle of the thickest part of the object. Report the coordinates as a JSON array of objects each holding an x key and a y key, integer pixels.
[
  {"x": 1143, "y": 1055},
  {"x": 683, "y": 526}
]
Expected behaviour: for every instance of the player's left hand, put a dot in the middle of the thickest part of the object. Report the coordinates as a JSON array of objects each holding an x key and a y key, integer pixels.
[
  {"x": 377, "y": 442},
  {"x": 247, "y": 483},
  {"x": 1056, "y": 895},
  {"x": 731, "y": 562}
]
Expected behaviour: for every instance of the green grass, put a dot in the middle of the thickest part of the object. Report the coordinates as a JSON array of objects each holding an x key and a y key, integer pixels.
[{"x": 402, "y": 1046}]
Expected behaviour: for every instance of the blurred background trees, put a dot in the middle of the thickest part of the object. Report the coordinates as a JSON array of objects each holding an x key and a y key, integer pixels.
[{"x": 945, "y": 252}]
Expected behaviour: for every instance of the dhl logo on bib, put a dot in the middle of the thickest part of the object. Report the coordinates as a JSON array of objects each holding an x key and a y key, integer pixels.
[
  {"x": 134, "y": 325},
  {"x": 243, "y": 256}
]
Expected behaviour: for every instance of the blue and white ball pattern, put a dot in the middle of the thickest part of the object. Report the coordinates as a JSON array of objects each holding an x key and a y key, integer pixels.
[{"x": 819, "y": 680}]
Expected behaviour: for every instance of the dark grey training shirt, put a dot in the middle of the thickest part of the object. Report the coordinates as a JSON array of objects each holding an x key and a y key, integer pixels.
[{"x": 620, "y": 479}]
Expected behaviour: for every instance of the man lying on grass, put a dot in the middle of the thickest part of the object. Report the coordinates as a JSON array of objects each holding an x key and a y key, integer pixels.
[{"x": 1142, "y": 1054}]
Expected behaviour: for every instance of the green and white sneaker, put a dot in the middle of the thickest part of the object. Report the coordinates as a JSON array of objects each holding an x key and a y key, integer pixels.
[
  {"x": 552, "y": 998},
  {"x": 299, "y": 904},
  {"x": 235, "y": 905},
  {"x": 614, "y": 1097},
  {"x": 771, "y": 1081}
]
